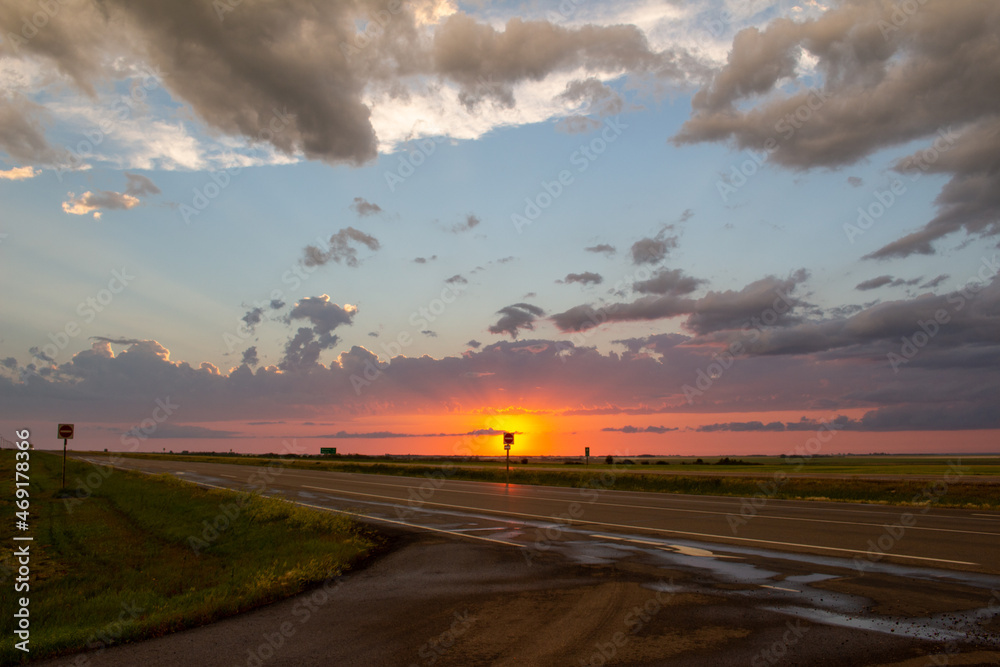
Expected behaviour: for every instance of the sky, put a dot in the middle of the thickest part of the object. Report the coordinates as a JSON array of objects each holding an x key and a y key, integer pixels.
[{"x": 407, "y": 226}]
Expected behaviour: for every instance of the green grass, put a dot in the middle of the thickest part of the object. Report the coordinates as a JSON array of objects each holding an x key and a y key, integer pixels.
[
  {"x": 767, "y": 480},
  {"x": 135, "y": 560}
]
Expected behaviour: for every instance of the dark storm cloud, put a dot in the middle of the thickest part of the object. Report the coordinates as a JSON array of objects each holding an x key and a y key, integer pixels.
[
  {"x": 741, "y": 426},
  {"x": 767, "y": 300},
  {"x": 582, "y": 318},
  {"x": 90, "y": 202},
  {"x": 258, "y": 314},
  {"x": 381, "y": 435},
  {"x": 958, "y": 417},
  {"x": 585, "y": 278},
  {"x": 668, "y": 281},
  {"x": 516, "y": 317},
  {"x": 304, "y": 99},
  {"x": 487, "y": 63},
  {"x": 253, "y": 317},
  {"x": 652, "y": 250},
  {"x": 340, "y": 249},
  {"x": 364, "y": 208},
  {"x": 640, "y": 429},
  {"x": 303, "y": 349},
  {"x": 470, "y": 222},
  {"x": 294, "y": 75},
  {"x": 965, "y": 319},
  {"x": 21, "y": 135},
  {"x": 38, "y": 353},
  {"x": 103, "y": 386},
  {"x": 659, "y": 343},
  {"x": 934, "y": 282},
  {"x": 882, "y": 281},
  {"x": 139, "y": 185},
  {"x": 601, "y": 99},
  {"x": 890, "y": 77},
  {"x": 324, "y": 316},
  {"x": 873, "y": 283},
  {"x": 120, "y": 341},
  {"x": 250, "y": 356},
  {"x": 168, "y": 430}
]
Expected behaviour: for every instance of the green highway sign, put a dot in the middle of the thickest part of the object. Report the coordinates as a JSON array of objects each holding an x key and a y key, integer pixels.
[{"x": 327, "y": 450}]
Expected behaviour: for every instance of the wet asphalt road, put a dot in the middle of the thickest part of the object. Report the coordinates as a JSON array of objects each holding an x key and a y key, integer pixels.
[
  {"x": 486, "y": 574},
  {"x": 967, "y": 540}
]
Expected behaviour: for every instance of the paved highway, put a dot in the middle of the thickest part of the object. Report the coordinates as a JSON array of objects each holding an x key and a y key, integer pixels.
[
  {"x": 488, "y": 574},
  {"x": 865, "y": 535}
]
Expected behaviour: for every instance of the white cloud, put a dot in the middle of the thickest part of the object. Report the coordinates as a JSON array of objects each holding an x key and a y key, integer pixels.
[
  {"x": 92, "y": 202},
  {"x": 19, "y": 173},
  {"x": 436, "y": 110},
  {"x": 146, "y": 142}
]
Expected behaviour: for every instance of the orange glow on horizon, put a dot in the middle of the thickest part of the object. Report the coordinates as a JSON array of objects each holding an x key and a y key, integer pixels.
[
  {"x": 543, "y": 432},
  {"x": 533, "y": 431}
]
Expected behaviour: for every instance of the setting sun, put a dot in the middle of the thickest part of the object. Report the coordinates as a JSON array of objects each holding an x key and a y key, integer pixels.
[{"x": 533, "y": 431}]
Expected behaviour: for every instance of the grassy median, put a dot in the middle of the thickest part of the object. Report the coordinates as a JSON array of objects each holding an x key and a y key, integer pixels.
[
  {"x": 949, "y": 487},
  {"x": 147, "y": 555}
]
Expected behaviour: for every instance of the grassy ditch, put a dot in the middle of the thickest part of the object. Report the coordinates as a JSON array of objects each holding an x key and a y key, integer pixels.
[{"x": 145, "y": 555}]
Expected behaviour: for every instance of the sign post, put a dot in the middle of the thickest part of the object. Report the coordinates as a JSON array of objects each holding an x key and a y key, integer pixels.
[
  {"x": 66, "y": 433},
  {"x": 508, "y": 440}
]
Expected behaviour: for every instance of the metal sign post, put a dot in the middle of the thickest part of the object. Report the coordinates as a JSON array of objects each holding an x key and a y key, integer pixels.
[
  {"x": 65, "y": 432},
  {"x": 508, "y": 440}
]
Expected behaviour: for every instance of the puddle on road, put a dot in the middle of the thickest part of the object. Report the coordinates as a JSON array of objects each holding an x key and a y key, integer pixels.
[
  {"x": 793, "y": 595},
  {"x": 956, "y": 626},
  {"x": 768, "y": 588}
]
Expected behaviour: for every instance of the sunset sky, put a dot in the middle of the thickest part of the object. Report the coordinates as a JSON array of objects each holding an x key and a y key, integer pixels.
[{"x": 703, "y": 227}]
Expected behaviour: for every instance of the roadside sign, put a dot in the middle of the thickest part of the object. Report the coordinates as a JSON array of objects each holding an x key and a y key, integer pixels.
[
  {"x": 508, "y": 440},
  {"x": 65, "y": 432},
  {"x": 327, "y": 450},
  {"x": 587, "y": 450}
]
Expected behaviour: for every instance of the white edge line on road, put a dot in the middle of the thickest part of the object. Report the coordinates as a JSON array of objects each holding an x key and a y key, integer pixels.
[
  {"x": 712, "y": 512},
  {"x": 366, "y": 516},
  {"x": 375, "y": 518},
  {"x": 699, "y": 498},
  {"x": 779, "y": 588},
  {"x": 658, "y": 530},
  {"x": 594, "y": 523}
]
